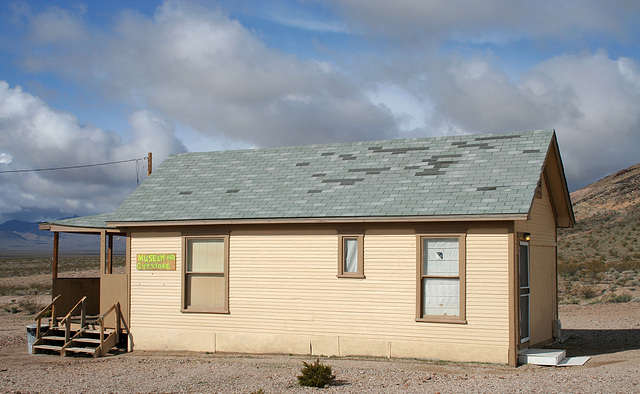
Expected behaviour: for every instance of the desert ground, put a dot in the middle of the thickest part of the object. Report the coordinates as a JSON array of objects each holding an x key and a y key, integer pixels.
[{"x": 609, "y": 333}]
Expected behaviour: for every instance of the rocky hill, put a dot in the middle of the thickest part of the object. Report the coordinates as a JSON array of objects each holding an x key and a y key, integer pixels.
[{"x": 607, "y": 225}]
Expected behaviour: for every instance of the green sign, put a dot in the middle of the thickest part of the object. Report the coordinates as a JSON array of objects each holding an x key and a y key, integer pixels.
[{"x": 156, "y": 262}]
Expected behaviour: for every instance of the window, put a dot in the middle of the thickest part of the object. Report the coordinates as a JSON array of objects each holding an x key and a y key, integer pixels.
[
  {"x": 441, "y": 278},
  {"x": 351, "y": 256},
  {"x": 206, "y": 280}
]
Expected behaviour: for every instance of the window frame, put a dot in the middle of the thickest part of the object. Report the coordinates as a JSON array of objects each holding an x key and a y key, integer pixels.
[
  {"x": 461, "y": 318},
  {"x": 359, "y": 274},
  {"x": 185, "y": 287}
]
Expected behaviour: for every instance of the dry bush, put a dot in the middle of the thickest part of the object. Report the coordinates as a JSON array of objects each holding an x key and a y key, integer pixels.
[
  {"x": 10, "y": 307},
  {"x": 619, "y": 298},
  {"x": 30, "y": 305},
  {"x": 594, "y": 269},
  {"x": 565, "y": 287},
  {"x": 586, "y": 290},
  {"x": 624, "y": 265},
  {"x": 568, "y": 269}
]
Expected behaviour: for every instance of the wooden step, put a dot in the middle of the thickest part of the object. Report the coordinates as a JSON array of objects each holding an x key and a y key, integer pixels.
[
  {"x": 53, "y": 338},
  {"x": 87, "y": 340},
  {"x": 48, "y": 347},
  {"x": 87, "y": 350},
  {"x": 92, "y": 331}
]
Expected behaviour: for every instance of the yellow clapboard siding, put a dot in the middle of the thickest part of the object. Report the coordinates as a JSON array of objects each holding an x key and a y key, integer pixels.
[{"x": 285, "y": 282}]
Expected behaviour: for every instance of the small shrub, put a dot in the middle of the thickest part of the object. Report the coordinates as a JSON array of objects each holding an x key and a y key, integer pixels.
[
  {"x": 620, "y": 298},
  {"x": 11, "y": 307},
  {"x": 572, "y": 301},
  {"x": 567, "y": 269},
  {"x": 315, "y": 375},
  {"x": 586, "y": 291},
  {"x": 622, "y": 281},
  {"x": 30, "y": 305}
]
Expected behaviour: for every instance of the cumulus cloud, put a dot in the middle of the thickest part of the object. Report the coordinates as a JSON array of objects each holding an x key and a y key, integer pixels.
[
  {"x": 590, "y": 99},
  {"x": 490, "y": 21},
  {"x": 208, "y": 72},
  {"x": 36, "y": 136}
]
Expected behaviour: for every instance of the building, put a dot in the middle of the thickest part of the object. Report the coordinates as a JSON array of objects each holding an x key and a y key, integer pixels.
[{"x": 436, "y": 248}]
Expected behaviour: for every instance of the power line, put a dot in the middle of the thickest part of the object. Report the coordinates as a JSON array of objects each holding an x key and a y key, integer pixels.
[{"x": 71, "y": 167}]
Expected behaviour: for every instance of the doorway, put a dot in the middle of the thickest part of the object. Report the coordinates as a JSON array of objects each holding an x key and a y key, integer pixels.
[{"x": 525, "y": 292}]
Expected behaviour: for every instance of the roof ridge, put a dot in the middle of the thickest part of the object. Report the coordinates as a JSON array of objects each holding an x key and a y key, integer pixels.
[{"x": 356, "y": 143}]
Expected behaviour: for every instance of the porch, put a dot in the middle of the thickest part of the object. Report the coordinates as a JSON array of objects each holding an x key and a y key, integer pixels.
[{"x": 87, "y": 315}]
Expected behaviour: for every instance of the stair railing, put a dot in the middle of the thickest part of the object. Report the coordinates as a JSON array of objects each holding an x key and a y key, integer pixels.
[
  {"x": 53, "y": 322},
  {"x": 115, "y": 307},
  {"x": 67, "y": 319}
]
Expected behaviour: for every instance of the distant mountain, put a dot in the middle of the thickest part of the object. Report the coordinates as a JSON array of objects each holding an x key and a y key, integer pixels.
[
  {"x": 22, "y": 227},
  {"x": 607, "y": 222},
  {"x": 21, "y": 237}
]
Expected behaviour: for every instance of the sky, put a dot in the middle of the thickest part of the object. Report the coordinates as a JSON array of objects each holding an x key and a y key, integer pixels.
[{"x": 98, "y": 82}]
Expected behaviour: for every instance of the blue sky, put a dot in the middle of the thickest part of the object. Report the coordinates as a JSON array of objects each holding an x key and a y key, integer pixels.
[{"x": 94, "y": 82}]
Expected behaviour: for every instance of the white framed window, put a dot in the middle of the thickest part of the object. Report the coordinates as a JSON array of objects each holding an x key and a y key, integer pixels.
[{"x": 441, "y": 278}]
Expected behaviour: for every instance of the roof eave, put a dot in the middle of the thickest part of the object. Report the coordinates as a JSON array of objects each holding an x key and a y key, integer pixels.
[
  {"x": 324, "y": 220},
  {"x": 47, "y": 226}
]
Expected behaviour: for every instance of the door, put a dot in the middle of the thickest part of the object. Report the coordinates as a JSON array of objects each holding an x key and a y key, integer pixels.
[
  {"x": 525, "y": 296},
  {"x": 114, "y": 280}
]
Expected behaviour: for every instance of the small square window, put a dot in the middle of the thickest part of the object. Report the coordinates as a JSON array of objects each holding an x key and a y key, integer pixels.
[{"x": 351, "y": 256}]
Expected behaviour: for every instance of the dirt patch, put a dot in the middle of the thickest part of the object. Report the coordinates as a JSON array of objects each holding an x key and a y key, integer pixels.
[{"x": 610, "y": 333}]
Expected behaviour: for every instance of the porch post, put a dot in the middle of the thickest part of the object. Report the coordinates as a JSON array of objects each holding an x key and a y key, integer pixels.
[
  {"x": 56, "y": 240},
  {"x": 103, "y": 252},
  {"x": 110, "y": 254}
]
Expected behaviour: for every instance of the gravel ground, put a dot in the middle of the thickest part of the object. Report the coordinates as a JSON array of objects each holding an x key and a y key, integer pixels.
[{"x": 610, "y": 333}]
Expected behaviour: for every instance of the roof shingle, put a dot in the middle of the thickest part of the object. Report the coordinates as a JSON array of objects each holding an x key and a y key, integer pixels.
[{"x": 494, "y": 174}]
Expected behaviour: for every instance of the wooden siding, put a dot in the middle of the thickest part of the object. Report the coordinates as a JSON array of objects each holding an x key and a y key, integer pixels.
[
  {"x": 543, "y": 274},
  {"x": 284, "y": 296}
]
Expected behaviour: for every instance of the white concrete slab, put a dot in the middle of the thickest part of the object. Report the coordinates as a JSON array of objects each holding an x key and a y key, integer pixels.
[
  {"x": 573, "y": 361},
  {"x": 541, "y": 356}
]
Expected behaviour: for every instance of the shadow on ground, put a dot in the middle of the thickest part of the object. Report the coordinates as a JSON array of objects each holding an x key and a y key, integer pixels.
[{"x": 594, "y": 342}]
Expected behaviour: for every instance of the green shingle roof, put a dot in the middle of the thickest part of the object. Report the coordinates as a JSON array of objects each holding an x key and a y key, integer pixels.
[{"x": 485, "y": 175}]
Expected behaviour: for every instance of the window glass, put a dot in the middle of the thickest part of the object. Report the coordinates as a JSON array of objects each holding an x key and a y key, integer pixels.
[
  {"x": 350, "y": 255},
  {"x": 441, "y": 297},
  {"x": 206, "y": 255},
  {"x": 206, "y": 290},
  {"x": 440, "y": 257}
]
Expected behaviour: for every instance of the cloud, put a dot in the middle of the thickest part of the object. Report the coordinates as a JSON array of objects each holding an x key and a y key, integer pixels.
[
  {"x": 206, "y": 71},
  {"x": 490, "y": 21},
  {"x": 590, "y": 99},
  {"x": 209, "y": 74},
  {"x": 35, "y": 135},
  {"x": 57, "y": 25}
]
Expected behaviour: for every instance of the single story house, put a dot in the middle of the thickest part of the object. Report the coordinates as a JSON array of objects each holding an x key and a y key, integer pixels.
[{"x": 435, "y": 248}]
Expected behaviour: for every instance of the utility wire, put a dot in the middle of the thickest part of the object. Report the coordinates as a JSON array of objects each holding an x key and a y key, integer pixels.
[{"x": 71, "y": 167}]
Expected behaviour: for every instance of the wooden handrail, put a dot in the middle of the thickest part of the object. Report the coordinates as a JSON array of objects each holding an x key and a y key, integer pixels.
[
  {"x": 118, "y": 316},
  {"x": 67, "y": 318},
  {"x": 38, "y": 317}
]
